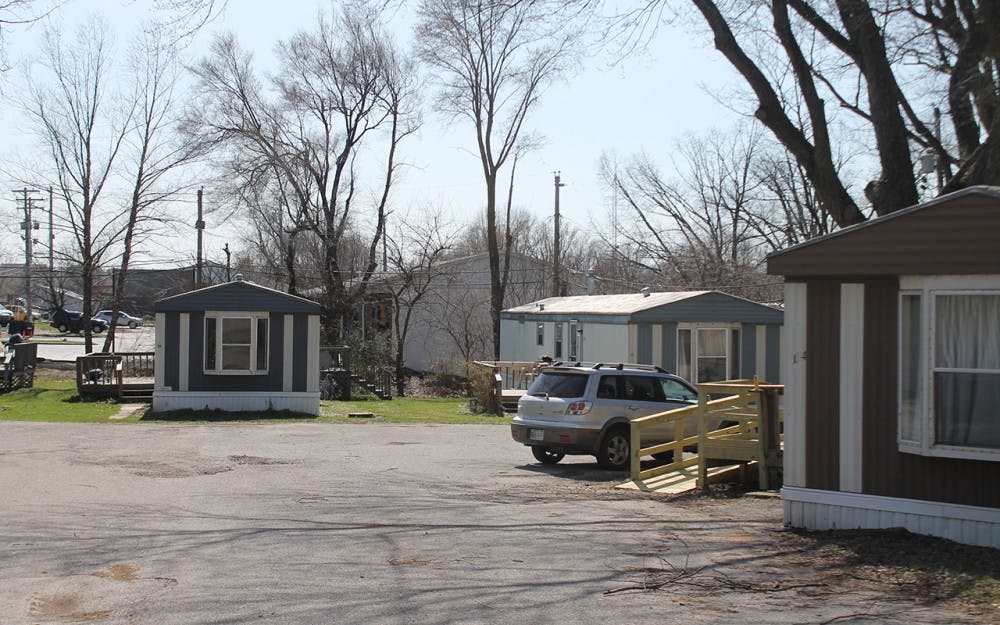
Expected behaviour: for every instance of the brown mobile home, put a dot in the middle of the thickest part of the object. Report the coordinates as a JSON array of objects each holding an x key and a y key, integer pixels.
[{"x": 891, "y": 362}]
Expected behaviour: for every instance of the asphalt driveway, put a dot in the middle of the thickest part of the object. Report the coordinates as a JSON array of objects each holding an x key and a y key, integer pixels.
[{"x": 372, "y": 523}]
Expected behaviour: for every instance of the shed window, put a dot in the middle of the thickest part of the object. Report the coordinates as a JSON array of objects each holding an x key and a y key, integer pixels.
[
  {"x": 949, "y": 372},
  {"x": 236, "y": 343}
]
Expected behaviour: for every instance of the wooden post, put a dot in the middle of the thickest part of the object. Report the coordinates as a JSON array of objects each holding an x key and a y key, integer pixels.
[{"x": 702, "y": 437}]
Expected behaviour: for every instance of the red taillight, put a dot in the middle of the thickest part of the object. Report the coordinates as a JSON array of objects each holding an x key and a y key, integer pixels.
[
  {"x": 514, "y": 432},
  {"x": 579, "y": 407},
  {"x": 564, "y": 438}
]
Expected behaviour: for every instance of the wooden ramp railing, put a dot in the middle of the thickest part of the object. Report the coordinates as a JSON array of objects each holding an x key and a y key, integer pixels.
[{"x": 755, "y": 437}]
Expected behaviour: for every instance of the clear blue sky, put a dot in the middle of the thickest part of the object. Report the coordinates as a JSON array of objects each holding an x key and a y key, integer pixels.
[{"x": 643, "y": 104}]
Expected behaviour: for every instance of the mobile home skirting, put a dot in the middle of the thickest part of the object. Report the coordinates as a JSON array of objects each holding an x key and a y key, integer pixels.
[
  {"x": 830, "y": 510},
  {"x": 307, "y": 403}
]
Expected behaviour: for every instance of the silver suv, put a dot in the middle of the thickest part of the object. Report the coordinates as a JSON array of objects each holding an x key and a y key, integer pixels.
[{"x": 586, "y": 409}]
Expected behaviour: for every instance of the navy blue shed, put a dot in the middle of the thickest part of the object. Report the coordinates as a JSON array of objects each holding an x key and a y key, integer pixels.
[{"x": 237, "y": 346}]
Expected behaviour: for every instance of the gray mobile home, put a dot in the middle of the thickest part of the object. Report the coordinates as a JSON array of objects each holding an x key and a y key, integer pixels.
[
  {"x": 701, "y": 335},
  {"x": 237, "y": 346}
]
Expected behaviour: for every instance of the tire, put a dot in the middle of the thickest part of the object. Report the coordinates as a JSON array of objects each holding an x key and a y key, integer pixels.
[
  {"x": 546, "y": 455},
  {"x": 63, "y": 327},
  {"x": 614, "y": 452},
  {"x": 133, "y": 325},
  {"x": 96, "y": 329}
]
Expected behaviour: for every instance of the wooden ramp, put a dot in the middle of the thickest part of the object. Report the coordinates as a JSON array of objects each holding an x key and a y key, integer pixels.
[
  {"x": 750, "y": 438},
  {"x": 682, "y": 480}
]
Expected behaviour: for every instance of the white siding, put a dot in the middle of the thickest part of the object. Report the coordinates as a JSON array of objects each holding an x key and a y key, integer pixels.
[
  {"x": 605, "y": 342},
  {"x": 828, "y": 510},
  {"x": 307, "y": 403}
]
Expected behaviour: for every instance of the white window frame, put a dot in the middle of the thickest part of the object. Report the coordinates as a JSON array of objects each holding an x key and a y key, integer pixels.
[
  {"x": 928, "y": 288},
  {"x": 694, "y": 328},
  {"x": 219, "y": 316}
]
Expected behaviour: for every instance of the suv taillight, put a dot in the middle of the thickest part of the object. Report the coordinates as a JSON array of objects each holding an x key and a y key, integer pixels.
[{"x": 579, "y": 407}]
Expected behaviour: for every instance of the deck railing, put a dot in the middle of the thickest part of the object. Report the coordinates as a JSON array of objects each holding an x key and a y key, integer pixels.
[
  {"x": 99, "y": 375},
  {"x": 514, "y": 374}
]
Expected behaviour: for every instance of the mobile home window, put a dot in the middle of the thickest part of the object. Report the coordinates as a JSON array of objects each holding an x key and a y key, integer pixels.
[
  {"x": 574, "y": 331},
  {"x": 559, "y": 342},
  {"x": 949, "y": 373},
  {"x": 708, "y": 354},
  {"x": 236, "y": 343},
  {"x": 540, "y": 335}
]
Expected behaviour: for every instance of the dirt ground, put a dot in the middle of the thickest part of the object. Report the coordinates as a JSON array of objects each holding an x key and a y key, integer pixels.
[{"x": 916, "y": 572}]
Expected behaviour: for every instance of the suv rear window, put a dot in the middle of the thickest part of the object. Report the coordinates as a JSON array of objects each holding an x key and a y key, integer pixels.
[{"x": 561, "y": 384}]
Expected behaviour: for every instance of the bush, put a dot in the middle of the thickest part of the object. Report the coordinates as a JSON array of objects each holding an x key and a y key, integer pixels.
[{"x": 482, "y": 390}]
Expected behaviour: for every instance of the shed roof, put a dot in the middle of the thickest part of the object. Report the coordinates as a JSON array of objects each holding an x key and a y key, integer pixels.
[
  {"x": 237, "y": 296},
  {"x": 953, "y": 234}
]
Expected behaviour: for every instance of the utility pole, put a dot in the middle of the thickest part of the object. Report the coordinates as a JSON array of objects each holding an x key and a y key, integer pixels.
[
  {"x": 27, "y": 225},
  {"x": 52, "y": 251},
  {"x": 229, "y": 273},
  {"x": 200, "y": 227},
  {"x": 556, "y": 291}
]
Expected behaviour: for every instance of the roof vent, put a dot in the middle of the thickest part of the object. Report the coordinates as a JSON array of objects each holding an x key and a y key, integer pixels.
[
  {"x": 645, "y": 291},
  {"x": 541, "y": 307}
]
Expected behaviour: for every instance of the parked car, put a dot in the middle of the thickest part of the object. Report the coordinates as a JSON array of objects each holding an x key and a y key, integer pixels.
[
  {"x": 124, "y": 319},
  {"x": 6, "y": 314},
  {"x": 586, "y": 409},
  {"x": 18, "y": 312},
  {"x": 74, "y": 321}
]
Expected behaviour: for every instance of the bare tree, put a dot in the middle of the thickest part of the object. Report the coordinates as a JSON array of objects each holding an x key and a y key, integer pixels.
[
  {"x": 341, "y": 88},
  {"x": 493, "y": 59},
  {"x": 84, "y": 128},
  {"x": 414, "y": 256},
  {"x": 806, "y": 63},
  {"x": 697, "y": 231},
  {"x": 154, "y": 149}
]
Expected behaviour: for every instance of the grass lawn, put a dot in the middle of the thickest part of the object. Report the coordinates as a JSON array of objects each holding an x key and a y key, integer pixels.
[
  {"x": 54, "y": 398},
  {"x": 406, "y": 410}
]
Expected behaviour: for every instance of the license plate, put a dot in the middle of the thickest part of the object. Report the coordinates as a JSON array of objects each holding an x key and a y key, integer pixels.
[{"x": 536, "y": 435}]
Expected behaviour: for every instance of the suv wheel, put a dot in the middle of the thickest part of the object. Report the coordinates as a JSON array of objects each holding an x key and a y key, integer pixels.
[
  {"x": 546, "y": 455},
  {"x": 133, "y": 325},
  {"x": 63, "y": 327},
  {"x": 614, "y": 450}
]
